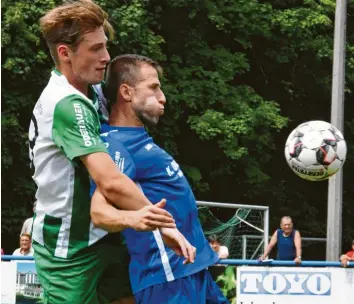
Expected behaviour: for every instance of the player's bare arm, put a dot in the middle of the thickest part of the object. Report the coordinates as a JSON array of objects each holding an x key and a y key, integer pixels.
[
  {"x": 179, "y": 244},
  {"x": 114, "y": 185},
  {"x": 109, "y": 218}
]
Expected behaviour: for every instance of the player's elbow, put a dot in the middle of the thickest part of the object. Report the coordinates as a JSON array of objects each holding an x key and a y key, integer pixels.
[
  {"x": 95, "y": 219},
  {"x": 111, "y": 185}
]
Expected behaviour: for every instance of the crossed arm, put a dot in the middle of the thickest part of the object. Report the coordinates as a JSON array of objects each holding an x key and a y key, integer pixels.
[
  {"x": 113, "y": 184},
  {"x": 116, "y": 189},
  {"x": 105, "y": 216}
]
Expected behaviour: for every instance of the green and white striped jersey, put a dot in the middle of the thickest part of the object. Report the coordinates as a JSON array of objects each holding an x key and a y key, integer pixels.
[{"x": 65, "y": 125}]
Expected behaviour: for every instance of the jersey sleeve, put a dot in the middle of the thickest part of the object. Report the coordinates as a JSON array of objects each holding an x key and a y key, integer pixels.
[
  {"x": 120, "y": 156},
  {"x": 76, "y": 127}
]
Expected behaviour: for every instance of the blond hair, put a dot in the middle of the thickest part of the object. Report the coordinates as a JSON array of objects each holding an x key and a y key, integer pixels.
[{"x": 68, "y": 23}]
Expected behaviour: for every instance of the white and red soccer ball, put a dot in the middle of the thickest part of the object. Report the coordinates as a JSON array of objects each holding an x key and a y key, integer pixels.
[{"x": 315, "y": 150}]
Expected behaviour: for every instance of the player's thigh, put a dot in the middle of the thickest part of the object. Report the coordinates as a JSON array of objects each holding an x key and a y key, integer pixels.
[
  {"x": 114, "y": 283},
  {"x": 71, "y": 280}
]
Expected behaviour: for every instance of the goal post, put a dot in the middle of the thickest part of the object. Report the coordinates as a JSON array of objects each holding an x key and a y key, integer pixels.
[{"x": 246, "y": 220}]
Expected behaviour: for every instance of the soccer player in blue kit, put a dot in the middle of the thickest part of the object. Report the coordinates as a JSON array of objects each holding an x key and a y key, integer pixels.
[{"x": 158, "y": 274}]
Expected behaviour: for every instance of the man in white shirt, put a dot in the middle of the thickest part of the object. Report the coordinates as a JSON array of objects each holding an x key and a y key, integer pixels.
[
  {"x": 222, "y": 251},
  {"x": 27, "y": 225},
  {"x": 25, "y": 246}
]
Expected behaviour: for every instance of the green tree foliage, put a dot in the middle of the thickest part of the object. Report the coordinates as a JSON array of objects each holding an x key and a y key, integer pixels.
[
  {"x": 238, "y": 76},
  {"x": 227, "y": 283}
]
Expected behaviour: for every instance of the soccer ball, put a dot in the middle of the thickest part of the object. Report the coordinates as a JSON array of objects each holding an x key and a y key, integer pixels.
[{"x": 315, "y": 150}]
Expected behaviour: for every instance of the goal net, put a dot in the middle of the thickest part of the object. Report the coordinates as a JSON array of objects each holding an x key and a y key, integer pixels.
[{"x": 242, "y": 228}]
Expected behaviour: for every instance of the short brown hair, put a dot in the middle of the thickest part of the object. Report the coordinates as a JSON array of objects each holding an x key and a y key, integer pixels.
[
  {"x": 68, "y": 22},
  {"x": 124, "y": 69},
  {"x": 26, "y": 234}
]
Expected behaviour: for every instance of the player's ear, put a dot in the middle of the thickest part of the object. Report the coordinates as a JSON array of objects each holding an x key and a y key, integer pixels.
[
  {"x": 63, "y": 52},
  {"x": 126, "y": 92}
]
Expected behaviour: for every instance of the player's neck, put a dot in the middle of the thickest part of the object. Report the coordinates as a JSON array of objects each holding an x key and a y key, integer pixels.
[
  {"x": 121, "y": 117},
  {"x": 77, "y": 84}
]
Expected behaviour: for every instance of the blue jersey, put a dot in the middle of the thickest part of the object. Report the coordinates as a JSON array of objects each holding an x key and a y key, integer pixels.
[
  {"x": 286, "y": 246},
  {"x": 159, "y": 176}
]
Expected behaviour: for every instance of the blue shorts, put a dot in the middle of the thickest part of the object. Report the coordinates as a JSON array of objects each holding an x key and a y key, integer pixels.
[{"x": 198, "y": 288}]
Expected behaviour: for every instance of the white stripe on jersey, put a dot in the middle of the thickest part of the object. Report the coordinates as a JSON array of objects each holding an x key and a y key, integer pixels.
[
  {"x": 37, "y": 233},
  {"x": 62, "y": 246},
  {"x": 164, "y": 258}
]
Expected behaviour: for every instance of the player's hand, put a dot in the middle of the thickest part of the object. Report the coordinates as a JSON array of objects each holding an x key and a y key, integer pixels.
[
  {"x": 297, "y": 260},
  {"x": 179, "y": 244},
  {"x": 152, "y": 217}
]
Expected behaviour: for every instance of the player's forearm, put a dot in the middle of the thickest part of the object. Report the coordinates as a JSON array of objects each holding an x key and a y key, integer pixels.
[
  {"x": 114, "y": 185},
  {"x": 106, "y": 217},
  {"x": 110, "y": 219},
  {"x": 123, "y": 193}
]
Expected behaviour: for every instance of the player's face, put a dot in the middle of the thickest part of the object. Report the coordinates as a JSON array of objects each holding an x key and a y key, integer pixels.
[
  {"x": 25, "y": 242},
  {"x": 90, "y": 58},
  {"x": 215, "y": 245},
  {"x": 286, "y": 225},
  {"x": 148, "y": 100}
]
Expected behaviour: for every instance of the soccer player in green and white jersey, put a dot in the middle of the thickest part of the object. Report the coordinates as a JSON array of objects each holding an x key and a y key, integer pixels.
[{"x": 76, "y": 262}]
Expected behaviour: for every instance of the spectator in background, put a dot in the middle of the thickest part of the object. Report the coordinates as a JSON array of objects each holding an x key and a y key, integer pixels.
[
  {"x": 222, "y": 251},
  {"x": 288, "y": 242},
  {"x": 348, "y": 257},
  {"x": 2, "y": 251},
  {"x": 25, "y": 245},
  {"x": 27, "y": 225}
]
